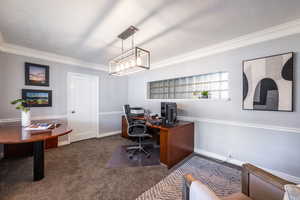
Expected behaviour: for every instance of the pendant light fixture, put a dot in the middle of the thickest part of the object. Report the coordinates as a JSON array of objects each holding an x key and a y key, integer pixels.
[{"x": 130, "y": 61}]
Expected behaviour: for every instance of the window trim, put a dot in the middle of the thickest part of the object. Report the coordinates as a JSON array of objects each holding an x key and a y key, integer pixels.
[{"x": 147, "y": 92}]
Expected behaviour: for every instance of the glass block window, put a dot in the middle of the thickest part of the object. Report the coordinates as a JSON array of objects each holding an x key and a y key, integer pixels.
[{"x": 191, "y": 87}]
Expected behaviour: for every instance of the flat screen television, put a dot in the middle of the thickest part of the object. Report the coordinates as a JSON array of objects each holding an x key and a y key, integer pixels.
[{"x": 169, "y": 112}]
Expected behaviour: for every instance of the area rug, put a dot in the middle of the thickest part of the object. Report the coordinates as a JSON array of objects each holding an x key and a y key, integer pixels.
[
  {"x": 221, "y": 179},
  {"x": 120, "y": 158}
]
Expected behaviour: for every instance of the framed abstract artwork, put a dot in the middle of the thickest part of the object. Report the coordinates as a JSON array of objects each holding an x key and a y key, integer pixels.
[
  {"x": 268, "y": 83},
  {"x": 36, "y": 74},
  {"x": 37, "y": 98}
]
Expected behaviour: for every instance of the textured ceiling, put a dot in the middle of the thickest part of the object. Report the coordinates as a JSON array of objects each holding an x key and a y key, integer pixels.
[{"x": 88, "y": 29}]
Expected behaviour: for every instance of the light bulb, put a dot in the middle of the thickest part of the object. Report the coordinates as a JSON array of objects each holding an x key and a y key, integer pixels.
[
  {"x": 127, "y": 65},
  {"x": 139, "y": 61},
  {"x": 117, "y": 68},
  {"x": 122, "y": 66}
]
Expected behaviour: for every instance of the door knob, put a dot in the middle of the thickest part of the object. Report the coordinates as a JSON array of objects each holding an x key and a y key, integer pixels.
[{"x": 73, "y": 111}]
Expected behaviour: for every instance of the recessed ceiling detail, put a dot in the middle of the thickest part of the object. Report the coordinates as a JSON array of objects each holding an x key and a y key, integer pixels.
[{"x": 88, "y": 30}]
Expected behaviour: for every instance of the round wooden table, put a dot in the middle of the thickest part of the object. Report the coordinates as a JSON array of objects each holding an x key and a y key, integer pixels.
[{"x": 18, "y": 135}]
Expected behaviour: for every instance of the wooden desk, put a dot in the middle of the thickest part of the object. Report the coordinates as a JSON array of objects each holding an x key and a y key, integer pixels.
[
  {"x": 17, "y": 135},
  {"x": 176, "y": 143}
]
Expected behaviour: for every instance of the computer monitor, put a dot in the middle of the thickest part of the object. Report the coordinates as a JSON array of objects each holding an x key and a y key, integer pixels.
[{"x": 169, "y": 112}]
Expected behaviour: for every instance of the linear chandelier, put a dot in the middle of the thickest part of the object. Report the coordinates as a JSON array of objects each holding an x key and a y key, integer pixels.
[{"x": 131, "y": 61}]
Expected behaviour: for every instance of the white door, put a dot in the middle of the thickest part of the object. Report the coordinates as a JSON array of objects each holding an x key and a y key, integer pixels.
[{"x": 83, "y": 104}]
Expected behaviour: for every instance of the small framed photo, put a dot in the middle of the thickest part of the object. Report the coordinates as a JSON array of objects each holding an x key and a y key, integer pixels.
[
  {"x": 36, "y": 74},
  {"x": 37, "y": 98}
]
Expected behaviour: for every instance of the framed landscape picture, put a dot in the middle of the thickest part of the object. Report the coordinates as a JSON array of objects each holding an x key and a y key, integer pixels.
[
  {"x": 268, "y": 83},
  {"x": 37, "y": 98},
  {"x": 36, "y": 74}
]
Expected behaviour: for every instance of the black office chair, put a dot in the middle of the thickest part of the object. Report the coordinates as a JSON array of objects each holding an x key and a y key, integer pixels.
[{"x": 136, "y": 129}]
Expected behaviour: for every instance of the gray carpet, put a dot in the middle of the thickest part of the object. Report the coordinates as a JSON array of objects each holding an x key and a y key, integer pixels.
[
  {"x": 120, "y": 158},
  {"x": 223, "y": 180},
  {"x": 78, "y": 171}
]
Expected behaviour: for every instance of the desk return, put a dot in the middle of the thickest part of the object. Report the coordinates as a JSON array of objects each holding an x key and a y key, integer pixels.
[{"x": 176, "y": 142}]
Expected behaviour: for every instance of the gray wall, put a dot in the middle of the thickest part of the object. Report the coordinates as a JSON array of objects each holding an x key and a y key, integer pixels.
[
  {"x": 274, "y": 150},
  {"x": 113, "y": 90}
]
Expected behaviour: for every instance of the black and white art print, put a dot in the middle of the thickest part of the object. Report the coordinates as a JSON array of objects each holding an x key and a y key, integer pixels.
[{"x": 268, "y": 83}]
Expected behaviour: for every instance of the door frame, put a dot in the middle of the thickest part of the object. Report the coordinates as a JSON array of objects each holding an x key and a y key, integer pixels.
[{"x": 69, "y": 109}]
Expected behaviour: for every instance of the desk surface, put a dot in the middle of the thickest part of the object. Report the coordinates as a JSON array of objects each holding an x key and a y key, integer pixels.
[
  {"x": 176, "y": 142},
  {"x": 178, "y": 124},
  {"x": 17, "y": 134}
]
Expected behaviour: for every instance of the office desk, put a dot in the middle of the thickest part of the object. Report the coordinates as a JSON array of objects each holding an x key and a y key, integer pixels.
[
  {"x": 176, "y": 143},
  {"x": 18, "y": 135}
]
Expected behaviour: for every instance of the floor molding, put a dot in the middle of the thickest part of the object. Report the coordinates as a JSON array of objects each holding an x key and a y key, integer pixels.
[
  {"x": 242, "y": 124},
  {"x": 271, "y": 33},
  {"x": 240, "y": 163},
  {"x": 111, "y": 113},
  {"x": 101, "y": 135},
  {"x": 63, "y": 143}
]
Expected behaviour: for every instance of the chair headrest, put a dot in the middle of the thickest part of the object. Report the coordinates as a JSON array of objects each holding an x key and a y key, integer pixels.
[{"x": 126, "y": 109}]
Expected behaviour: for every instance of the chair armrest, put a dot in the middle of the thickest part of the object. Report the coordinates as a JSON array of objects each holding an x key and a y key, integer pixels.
[
  {"x": 189, "y": 178},
  {"x": 139, "y": 122},
  {"x": 187, "y": 181},
  {"x": 137, "y": 125},
  {"x": 270, "y": 181}
]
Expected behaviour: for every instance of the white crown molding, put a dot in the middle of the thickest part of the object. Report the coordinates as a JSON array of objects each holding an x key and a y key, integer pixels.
[
  {"x": 283, "y": 175},
  {"x": 49, "y": 117},
  {"x": 29, "y": 52},
  {"x": 275, "y": 32},
  {"x": 242, "y": 124}
]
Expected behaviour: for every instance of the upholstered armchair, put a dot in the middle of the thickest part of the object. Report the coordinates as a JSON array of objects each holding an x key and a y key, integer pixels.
[{"x": 257, "y": 184}]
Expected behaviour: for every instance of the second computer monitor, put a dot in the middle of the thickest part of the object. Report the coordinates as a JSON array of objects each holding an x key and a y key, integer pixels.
[{"x": 169, "y": 112}]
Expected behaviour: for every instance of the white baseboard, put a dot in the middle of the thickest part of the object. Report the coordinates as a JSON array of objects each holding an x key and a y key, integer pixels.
[
  {"x": 101, "y": 135},
  {"x": 63, "y": 143},
  {"x": 219, "y": 157},
  {"x": 283, "y": 175},
  {"x": 111, "y": 113}
]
